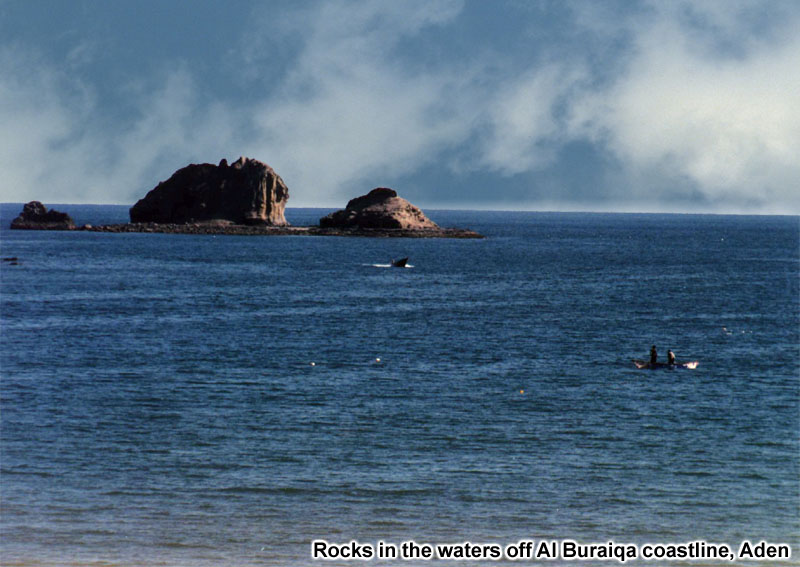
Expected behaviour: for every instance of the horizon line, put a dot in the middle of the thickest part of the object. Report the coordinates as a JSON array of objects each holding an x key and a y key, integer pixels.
[{"x": 478, "y": 208}]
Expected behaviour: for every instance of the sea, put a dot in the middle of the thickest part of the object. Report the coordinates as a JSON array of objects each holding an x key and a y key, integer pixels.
[{"x": 199, "y": 400}]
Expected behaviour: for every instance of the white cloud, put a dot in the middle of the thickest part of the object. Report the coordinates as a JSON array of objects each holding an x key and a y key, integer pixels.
[
  {"x": 349, "y": 114},
  {"x": 170, "y": 129},
  {"x": 730, "y": 124},
  {"x": 524, "y": 123},
  {"x": 346, "y": 115},
  {"x": 56, "y": 143},
  {"x": 42, "y": 113},
  {"x": 703, "y": 106}
]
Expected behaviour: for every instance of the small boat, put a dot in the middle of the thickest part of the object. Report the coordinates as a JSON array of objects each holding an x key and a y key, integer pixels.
[
  {"x": 401, "y": 263},
  {"x": 642, "y": 364}
]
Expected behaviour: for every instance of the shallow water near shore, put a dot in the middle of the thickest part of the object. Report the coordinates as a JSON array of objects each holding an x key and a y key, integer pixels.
[{"x": 225, "y": 400}]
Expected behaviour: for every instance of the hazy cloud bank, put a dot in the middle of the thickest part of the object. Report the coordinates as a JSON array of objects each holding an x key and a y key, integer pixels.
[{"x": 683, "y": 106}]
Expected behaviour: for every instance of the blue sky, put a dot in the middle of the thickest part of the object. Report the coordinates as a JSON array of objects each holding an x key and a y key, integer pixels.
[{"x": 680, "y": 106}]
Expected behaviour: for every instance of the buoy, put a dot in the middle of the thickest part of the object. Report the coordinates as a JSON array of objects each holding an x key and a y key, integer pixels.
[
  {"x": 313, "y": 364},
  {"x": 377, "y": 360},
  {"x": 522, "y": 391}
]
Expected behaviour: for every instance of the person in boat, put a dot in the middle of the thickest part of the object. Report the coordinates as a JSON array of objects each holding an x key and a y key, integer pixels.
[
  {"x": 671, "y": 358},
  {"x": 653, "y": 354}
]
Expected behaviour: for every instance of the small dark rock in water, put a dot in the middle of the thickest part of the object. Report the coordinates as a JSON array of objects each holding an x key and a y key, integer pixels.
[
  {"x": 381, "y": 208},
  {"x": 35, "y": 216},
  {"x": 246, "y": 192}
]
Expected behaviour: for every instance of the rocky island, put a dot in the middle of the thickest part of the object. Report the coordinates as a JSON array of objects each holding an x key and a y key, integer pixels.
[
  {"x": 246, "y": 192},
  {"x": 247, "y": 197},
  {"x": 35, "y": 216},
  {"x": 381, "y": 208}
]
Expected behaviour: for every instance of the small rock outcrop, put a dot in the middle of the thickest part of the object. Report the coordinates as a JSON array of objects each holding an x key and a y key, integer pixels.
[
  {"x": 381, "y": 208},
  {"x": 244, "y": 192},
  {"x": 35, "y": 216}
]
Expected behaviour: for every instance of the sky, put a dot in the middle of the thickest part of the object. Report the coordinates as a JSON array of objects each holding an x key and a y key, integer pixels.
[{"x": 631, "y": 106}]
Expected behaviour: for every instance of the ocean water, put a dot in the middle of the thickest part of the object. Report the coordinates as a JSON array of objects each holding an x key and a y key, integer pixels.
[{"x": 225, "y": 400}]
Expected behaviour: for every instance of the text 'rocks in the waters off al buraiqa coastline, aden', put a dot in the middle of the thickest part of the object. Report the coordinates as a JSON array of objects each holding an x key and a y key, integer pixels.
[{"x": 245, "y": 192}]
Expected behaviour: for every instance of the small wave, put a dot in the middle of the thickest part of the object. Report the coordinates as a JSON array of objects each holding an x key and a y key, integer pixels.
[
  {"x": 387, "y": 523},
  {"x": 26, "y": 472},
  {"x": 184, "y": 545},
  {"x": 286, "y": 490},
  {"x": 694, "y": 473},
  {"x": 387, "y": 493},
  {"x": 753, "y": 476}
]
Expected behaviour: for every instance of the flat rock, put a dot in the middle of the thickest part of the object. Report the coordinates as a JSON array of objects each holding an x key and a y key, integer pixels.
[
  {"x": 246, "y": 192},
  {"x": 230, "y": 229},
  {"x": 35, "y": 216}
]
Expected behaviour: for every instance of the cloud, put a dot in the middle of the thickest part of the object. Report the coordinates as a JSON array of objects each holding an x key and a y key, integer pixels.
[
  {"x": 525, "y": 123},
  {"x": 344, "y": 114},
  {"x": 726, "y": 123},
  {"x": 58, "y": 141},
  {"x": 170, "y": 127},
  {"x": 696, "y": 108},
  {"x": 349, "y": 113},
  {"x": 677, "y": 106},
  {"x": 42, "y": 113}
]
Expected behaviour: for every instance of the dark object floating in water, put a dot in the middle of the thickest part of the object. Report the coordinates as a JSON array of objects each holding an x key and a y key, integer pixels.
[
  {"x": 11, "y": 259},
  {"x": 644, "y": 364},
  {"x": 401, "y": 263}
]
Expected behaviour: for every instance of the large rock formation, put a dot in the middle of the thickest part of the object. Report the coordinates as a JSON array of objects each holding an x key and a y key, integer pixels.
[
  {"x": 35, "y": 216},
  {"x": 245, "y": 192},
  {"x": 381, "y": 208}
]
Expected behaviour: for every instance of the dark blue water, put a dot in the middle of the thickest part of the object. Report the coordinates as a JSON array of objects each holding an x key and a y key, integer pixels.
[{"x": 159, "y": 406}]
